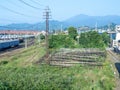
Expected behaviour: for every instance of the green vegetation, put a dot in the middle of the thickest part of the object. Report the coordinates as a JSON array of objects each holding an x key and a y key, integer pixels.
[
  {"x": 42, "y": 36},
  {"x": 72, "y": 32},
  {"x": 60, "y": 41},
  {"x": 91, "y": 40},
  {"x": 106, "y": 38},
  {"x": 64, "y": 41},
  {"x": 24, "y": 57},
  {"x": 20, "y": 71},
  {"x": 55, "y": 78}
]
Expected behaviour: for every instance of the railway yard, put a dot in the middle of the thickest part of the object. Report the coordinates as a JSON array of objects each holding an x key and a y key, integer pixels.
[
  {"x": 8, "y": 46},
  {"x": 92, "y": 63},
  {"x": 88, "y": 61},
  {"x": 75, "y": 45},
  {"x": 71, "y": 65},
  {"x": 68, "y": 57},
  {"x": 28, "y": 55}
]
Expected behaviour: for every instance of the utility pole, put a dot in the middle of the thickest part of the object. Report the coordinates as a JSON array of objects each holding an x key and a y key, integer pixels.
[{"x": 47, "y": 17}]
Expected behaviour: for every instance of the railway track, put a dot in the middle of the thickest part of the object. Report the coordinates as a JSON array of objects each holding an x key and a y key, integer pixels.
[
  {"x": 116, "y": 61},
  {"x": 10, "y": 53},
  {"x": 73, "y": 57},
  {"x": 114, "y": 56},
  {"x": 15, "y": 50}
]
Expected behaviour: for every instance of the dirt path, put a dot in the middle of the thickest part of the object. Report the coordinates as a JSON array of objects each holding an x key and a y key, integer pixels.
[{"x": 116, "y": 62}]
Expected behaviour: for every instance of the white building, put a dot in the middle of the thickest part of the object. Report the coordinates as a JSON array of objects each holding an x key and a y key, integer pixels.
[{"x": 116, "y": 42}]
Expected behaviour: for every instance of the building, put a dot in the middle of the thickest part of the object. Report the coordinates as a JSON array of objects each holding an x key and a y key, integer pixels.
[
  {"x": 116, "y": 42},
  {"x": 83, "y": 29}
]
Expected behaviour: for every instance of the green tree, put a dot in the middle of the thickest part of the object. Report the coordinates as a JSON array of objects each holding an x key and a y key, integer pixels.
[
  {"x": 42, "y": 36},
  {"x": 106, "y": 38},
  {"x": 91, "y": 40},
  {"x": 60, "y": 41},
  {"x": 72, "y": 32}
]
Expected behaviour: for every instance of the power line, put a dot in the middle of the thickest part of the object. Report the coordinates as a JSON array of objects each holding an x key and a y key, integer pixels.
[
  {"x": 29, "y": 5},
  {"x": 13, "y": 3},
  {"x": 17, "y": 5},
  {"x": 36, "y": 3},
  {"x": 10, "y": 10}
]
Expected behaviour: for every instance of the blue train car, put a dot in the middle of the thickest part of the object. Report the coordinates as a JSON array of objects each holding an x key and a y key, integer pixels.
[
  {"x": 8, "y": 44},
  {"x": 4, "y": 45}
]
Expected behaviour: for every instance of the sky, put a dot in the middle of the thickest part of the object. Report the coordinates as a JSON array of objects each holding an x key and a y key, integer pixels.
[{"x": 32, "y": 11}]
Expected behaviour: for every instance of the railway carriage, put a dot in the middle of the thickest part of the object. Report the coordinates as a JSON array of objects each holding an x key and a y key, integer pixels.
[
  {"x": 117, "y": 47},
  {"x": 8, "y": 44}
]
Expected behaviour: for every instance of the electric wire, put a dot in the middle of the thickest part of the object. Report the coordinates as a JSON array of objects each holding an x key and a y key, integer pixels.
[
  {"x": 29, "y": 5},
  {"x": 10, "y": 10},
  {"x": 13, "y": 3},
  {"x": 17, "y": 5},
  {"x": 18, "y": 13},
  {"x": 37, "y": 3}
]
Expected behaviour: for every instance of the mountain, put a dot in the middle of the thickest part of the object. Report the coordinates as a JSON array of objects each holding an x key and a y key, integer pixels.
[
  {"x": 85, "y": 20},
  {"x": 76, "y": 21},
  {"x": 54, "y": 24}
]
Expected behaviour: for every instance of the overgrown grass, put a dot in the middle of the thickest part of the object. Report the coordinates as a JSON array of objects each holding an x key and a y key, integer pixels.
[
  {"x": 24, "y": 57},
  {"x": 45, "y": 77},
  {"x": 19, "y": 73}
]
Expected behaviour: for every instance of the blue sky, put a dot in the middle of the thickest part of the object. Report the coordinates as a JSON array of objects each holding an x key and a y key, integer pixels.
[{"x": 61, "y": 9}]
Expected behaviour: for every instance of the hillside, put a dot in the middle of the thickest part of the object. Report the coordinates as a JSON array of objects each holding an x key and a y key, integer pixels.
[
  {"x": 37, "y": 26},
  {"x": 85, "y": 20}
]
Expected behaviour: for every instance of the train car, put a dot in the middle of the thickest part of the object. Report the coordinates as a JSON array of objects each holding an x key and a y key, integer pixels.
[
  {"x": 16, "y": 43},
  {"x": 21, "y": 40},
  {"x": 8, "y": 44},
  {"x": 116, "y": 42},
  {"x": 117, "y": 47},
  {"x": 116, "y": 50},
  {"x": 4, "y": 45}
]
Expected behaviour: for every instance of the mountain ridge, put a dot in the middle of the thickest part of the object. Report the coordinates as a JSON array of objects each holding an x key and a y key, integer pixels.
[{"x": 76, "y": 21}]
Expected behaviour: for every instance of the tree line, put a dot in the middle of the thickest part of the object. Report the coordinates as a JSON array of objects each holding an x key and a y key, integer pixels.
[{"x": 91, "y": 39}]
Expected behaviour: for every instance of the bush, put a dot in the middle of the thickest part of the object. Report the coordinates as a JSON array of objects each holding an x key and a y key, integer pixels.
[
  {"x": 61, "y": 41},
  {"x": 91, "y": 40}
]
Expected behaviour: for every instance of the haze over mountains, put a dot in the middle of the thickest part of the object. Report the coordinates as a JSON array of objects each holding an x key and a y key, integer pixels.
[{"x": 76, "y": 21}]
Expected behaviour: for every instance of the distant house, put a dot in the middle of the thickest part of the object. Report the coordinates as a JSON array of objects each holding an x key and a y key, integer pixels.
[
  {"x": 66, "y": 32},
  {"x": 42, "y": 32},
  {"x": 83, "y": 29}
]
